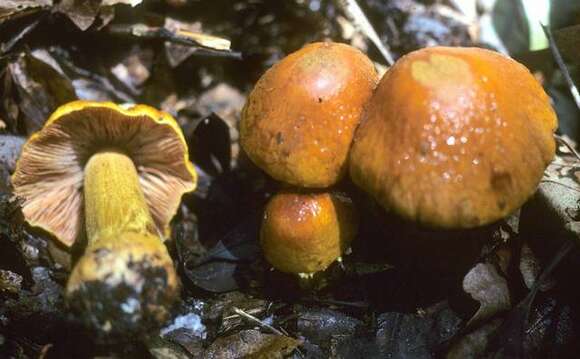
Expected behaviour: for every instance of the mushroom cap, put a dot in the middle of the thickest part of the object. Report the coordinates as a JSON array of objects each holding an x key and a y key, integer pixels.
[
  {"x": 306, "y": 232},
  {"x": 299, "y": 120},
  {"x": 454, "y": 137},
  {"x": 49, "y": 172}
]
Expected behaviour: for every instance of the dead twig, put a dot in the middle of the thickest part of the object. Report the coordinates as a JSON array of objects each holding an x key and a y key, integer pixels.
[
  {"x": 257, "y": 321},
  {"x": 206, "y": 45}
]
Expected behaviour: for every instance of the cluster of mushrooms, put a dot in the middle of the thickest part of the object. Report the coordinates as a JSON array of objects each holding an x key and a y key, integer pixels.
[{"x": 449, "y": 138}]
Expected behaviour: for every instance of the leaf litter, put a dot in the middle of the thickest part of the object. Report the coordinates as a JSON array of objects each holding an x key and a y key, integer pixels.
[{"x": 475, "y": 294}]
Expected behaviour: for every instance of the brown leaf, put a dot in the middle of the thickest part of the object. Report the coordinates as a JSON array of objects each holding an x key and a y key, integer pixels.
[
  {"x": 474, "y": 344},
  {"x": 41, "y": 89},
  {"x": 10, "y": 282},
  {"x": 8, "y": 104},
  {"x": 9, "y": 150},
  {"x": 486, "y": 286},
  {"x": 134, "y": 68},
  {"x": 164, "y": 349},
  {"x": 556, "y": 202},
  {"x": 531, "y": 269},
  {"x": 251, "y": 344},
  {"x": 10, "y": 9},
  {"x": 81, "y": 12}
]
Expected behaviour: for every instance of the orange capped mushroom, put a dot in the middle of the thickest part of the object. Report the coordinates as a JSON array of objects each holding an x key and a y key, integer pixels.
[
  {"x": 303, "y": 233},
  {"x": 299, "y": 120},
  {"x": 115, "y": 175},
  {"x": 454, "y": 137}
]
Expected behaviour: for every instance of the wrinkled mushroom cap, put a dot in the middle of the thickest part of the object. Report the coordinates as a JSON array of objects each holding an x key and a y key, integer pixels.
[
  {"x": 298, "y": 122},
  {"x": 306, "y": 232},
  {"x": 454, "y": 137},
  {"x": 49, "y": 173}
]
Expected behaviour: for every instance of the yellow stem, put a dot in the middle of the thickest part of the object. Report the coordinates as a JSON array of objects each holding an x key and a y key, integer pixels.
[
  {"x": 126, "y": 279},
  {"x": 114, "y": 201}
]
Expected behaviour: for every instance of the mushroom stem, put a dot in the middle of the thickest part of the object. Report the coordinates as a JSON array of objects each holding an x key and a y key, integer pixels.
[
  {"x": 126, "y": 280},
  {"x": 114, "y": 201}
]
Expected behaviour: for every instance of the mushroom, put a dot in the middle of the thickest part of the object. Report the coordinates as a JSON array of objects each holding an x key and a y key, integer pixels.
[
  {"x": 454, "y": 137},
  {"x": 303, "y": 233},
  {"x": 115, "y": 174},
  {"x": 298, "y": 122}
]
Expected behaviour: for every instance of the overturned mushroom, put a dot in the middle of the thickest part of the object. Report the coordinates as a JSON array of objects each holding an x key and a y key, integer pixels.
[{"x": 115, "y": 174}]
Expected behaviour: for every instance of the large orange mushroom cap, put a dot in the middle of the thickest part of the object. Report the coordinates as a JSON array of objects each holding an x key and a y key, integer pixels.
[
  {"x": 299, "y": 120},
  {"x": 454, "y": 137},
  {"x": 49, "y": 173}
]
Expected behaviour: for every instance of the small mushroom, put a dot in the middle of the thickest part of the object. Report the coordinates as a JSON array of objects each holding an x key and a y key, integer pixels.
[
  {"x": 454, "y": 137},
  {"x": 115, "y": 175},
  {"x": 299, "y": 120},
  {"x": 303, "y": 233}
]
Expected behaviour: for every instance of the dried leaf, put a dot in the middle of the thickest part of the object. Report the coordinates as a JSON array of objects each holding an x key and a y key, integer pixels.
[
  {"x": 223, "y": 100},
  {"x": 165, "y": 349},
  {"x": 81, "y": 12},
  {"x": 88, "y": 89},
  {"x": 106, "y": 15},
  {"x": 556, "y": 202},
  {"x": 9, "y": 150},
  {"x": 320, "y": 326},
  {"x": 134, "y": 69},
  {"x": 222, "y": 309},
  {"x": 10, "y": 282},
  {"x": 41, "y": 89},
  {"x": 218, "y": 270},
  {"x": 187, "y": 331},
  {"x": 474, "y": 344},
  {"x": 251, "y": 344},
  {"x": 530, "y": 268},
  {"x": 551, "y": 329},
  {"x": 510, "y": 337},
  {"x": 9, "y": 9},
  {"x": 486, "y": 286},
  {"x": 408, "y": 335},
  {"x": 217, "y": 277}
]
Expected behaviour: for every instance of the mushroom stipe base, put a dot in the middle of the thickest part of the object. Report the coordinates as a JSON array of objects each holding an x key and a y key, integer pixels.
[{"x": 124, "y": 309}]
